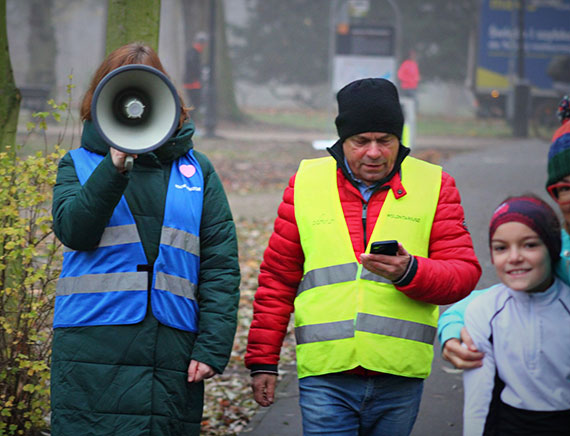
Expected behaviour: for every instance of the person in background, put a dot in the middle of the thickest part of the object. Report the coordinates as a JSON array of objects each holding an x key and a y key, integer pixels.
[
  {"x": 523, "y": 384},
  {"x": 457, "y": 345},
  {"x": 409, "y": 76},
  {"x": 193, "y": 72},
  {"x": 364, "y": 323},
  {"x": 146, "y": 303}
]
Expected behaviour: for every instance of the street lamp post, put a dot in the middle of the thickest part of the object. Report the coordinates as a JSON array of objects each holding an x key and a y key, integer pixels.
[
  {"x": 398, "y": 19},
  {"x": 521, "y": 88},
  {"x": 211, "y": 115}
]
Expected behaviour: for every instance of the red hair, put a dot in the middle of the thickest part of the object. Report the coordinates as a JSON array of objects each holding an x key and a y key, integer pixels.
[{"x": 133, "y": 53}]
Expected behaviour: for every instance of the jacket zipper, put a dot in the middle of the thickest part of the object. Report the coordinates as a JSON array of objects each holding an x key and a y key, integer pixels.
[{"x": 364, "y": 207}]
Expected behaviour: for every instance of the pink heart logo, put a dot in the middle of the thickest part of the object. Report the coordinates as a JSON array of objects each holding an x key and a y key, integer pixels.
[{"x": 188, "y": 170}]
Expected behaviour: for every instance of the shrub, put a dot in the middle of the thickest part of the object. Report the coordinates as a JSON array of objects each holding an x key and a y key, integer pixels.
[{"x": 30, "y": 261}]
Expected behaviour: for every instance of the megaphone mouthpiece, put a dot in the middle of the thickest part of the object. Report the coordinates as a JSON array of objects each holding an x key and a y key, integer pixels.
[
  {"x": 134, "y": 108},
  {"x": 131, "y": 106}
]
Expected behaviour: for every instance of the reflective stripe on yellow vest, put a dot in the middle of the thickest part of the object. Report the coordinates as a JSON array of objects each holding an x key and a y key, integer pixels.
[{"x": 346, "y": 316}]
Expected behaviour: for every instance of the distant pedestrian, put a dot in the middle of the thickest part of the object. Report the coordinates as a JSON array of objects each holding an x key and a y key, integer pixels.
[
  {"x": 409, "y": 76},
  {"x": 193, "y": 73}
]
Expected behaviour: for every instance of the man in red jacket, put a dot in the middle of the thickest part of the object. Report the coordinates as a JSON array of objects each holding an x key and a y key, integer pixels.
[
  {"x": 409, "y": 76},
  {"x": 364, "y": 323}
]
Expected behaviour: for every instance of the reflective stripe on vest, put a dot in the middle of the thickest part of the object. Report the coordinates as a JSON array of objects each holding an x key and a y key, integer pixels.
[
  {"x": 336, "y": 274},
  {"x": 346, "y": 316},
  {"x": 365, "y": 322},
  {"x": 103, "y": 286},
  {"x": 126, "y": 234}
]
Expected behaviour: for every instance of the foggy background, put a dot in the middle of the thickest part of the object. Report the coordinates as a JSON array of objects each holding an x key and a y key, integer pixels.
[{"x": 279, "y": 49}]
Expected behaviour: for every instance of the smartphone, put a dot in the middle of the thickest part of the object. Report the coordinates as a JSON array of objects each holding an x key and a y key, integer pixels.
[{"x": 389, "y": 248}]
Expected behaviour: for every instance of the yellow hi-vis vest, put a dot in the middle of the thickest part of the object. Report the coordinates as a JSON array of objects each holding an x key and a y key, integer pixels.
[{"x": 346, "y": 316}]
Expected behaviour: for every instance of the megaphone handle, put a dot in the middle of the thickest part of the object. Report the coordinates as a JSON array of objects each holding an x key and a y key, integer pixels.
[{"x": 129, "y": 162}]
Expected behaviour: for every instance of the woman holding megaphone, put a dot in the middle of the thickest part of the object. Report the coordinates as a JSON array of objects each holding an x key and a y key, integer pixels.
[{"x": 147, "y": 298}]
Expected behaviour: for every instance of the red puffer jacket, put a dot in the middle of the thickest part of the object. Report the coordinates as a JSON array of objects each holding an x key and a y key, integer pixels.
[{"x": 449, "y": 274}]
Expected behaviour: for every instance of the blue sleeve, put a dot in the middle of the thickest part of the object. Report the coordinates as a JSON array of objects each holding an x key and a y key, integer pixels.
[
  {"x": 562, "y": 268},
  {"x": 453, "y": 319}
]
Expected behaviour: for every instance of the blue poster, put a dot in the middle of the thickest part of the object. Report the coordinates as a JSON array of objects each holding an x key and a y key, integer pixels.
[{"x": 546, "y": 35}]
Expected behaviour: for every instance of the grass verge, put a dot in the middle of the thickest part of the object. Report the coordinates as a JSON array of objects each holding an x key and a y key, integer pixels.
[{"x": 427, "y": 125}]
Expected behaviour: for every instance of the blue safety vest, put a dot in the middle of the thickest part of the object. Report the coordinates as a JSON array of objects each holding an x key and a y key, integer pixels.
[{"x": 103, "y": 287}]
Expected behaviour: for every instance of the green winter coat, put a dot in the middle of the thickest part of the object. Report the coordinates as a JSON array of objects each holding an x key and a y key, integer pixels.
[{"x": 131, "y": 379}]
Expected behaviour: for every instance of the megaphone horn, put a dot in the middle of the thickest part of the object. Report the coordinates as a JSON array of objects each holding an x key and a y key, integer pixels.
[{"x": 135, "y": 108}]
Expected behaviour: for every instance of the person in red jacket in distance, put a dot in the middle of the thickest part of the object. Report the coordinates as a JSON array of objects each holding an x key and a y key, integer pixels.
[
  {"x": 409, "y": 76},
  {"x": 364, "y": 323}
]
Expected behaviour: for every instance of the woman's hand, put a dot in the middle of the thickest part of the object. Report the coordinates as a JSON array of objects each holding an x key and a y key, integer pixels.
[
  {"x": 198, "y": 371},
  {"x": 118, "y": 157}
]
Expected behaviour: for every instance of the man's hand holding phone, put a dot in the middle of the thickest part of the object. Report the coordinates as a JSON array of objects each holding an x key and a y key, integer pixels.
[
  {"x": 389, "y": 248},
  {"x": 388, "y": 259}
]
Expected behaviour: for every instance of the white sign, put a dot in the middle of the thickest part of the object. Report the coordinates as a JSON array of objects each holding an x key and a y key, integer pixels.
[
  {"x": 358, "y": 8},
  {"x": 323, "y": 144},
  {"x": 348, "y": 68}
]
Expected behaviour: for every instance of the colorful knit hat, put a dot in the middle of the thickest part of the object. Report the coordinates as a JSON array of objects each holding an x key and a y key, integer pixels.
[
  {"x": 369, "y": 105},
  {"x": 559, "y": 157},
  {"x": 563, "y": 111},
  {"x": 533, "y": 213}
]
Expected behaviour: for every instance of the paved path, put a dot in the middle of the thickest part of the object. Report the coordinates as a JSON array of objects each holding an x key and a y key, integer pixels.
[{"x": 488, "y": 172}]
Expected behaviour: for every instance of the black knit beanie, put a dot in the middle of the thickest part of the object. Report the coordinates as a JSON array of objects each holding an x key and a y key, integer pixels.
[{"x": 369, "y": 105}]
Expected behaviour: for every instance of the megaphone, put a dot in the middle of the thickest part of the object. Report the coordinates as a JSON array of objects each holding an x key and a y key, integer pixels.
[{"x": 135, "y": 108}]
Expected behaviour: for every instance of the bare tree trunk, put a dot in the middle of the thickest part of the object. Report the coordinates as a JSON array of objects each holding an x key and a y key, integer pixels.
[
  {"x": 41, "y": 44},
  {"x": 132, "y": 21},
  {"x": 227, "y": 104},
  {"x": 195, "y": 18},
  {"x": 9, "y": 94}
]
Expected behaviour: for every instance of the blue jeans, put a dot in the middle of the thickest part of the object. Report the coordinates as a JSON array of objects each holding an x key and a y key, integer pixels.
[{"x": 349, "y": 405}]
